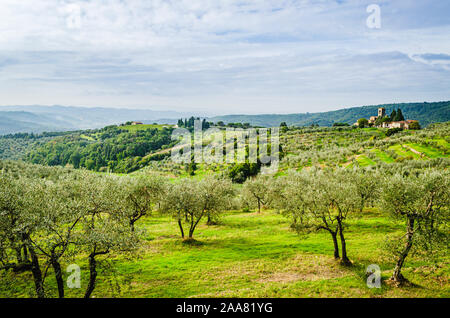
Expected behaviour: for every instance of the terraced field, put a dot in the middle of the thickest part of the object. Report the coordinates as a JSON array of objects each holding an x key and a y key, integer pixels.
[{"x": 346, "y": 147}]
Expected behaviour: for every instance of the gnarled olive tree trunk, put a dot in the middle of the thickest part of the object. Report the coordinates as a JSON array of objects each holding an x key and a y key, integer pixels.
[
  {"x": 335, "y": 243},
  {"x": 37, "y": 273},
  {"x": 93, "y": 272},
  {"x": 345, "y": 260},
  {"x": 397, "y": 275},
  {"x": 58, "y": 275}
]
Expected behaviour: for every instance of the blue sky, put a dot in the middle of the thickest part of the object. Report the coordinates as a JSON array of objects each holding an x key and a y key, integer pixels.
[{"x": 223, "y": 56}]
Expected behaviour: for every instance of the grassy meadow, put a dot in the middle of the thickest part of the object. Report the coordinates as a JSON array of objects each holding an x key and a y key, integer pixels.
[{"x": 254, "y": 255}]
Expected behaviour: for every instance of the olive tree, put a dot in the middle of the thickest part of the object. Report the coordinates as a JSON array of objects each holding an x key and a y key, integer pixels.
[
  {"x": 12, "y": 204},
  {"x": 55, "y": 210},
  {"x": 367, "y": 185},
  {"x": 40, "y": 218},
  {"x": 189, "y": 201},
  {"x": 319, "y": 200},
  {"x": 181, "y": 200},
  {"x": 335, "y": 198},
  {"x": 256, "y": 192},
  {"x": 216, "y": 195},
  {"x": 422, "y": 201},
  {"x": 43, "y": 218},
  {"x": 18, "y": 199},
  {"x": 141, "y": 196},
  {"x": 288, "y": 197},
  {"x": 105, "y": 226}
]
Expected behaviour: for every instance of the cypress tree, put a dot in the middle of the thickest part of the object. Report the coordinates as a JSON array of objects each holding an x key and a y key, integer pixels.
[
  {"x": 399, "y": 116},
  {"x": 393, "y": 115}
]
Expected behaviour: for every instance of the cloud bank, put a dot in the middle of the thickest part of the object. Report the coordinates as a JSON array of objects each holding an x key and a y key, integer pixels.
[{"x": 223, "y": 56}]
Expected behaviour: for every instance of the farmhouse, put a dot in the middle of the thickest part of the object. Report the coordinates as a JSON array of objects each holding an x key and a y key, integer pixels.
[
  {"x": 404, "y": 124},
  {"x": 381, "y": 113},
  {"x": 387, "y": 122},
  {"x": 134, "y": 123},
  {"x": 372, "y": 119}
]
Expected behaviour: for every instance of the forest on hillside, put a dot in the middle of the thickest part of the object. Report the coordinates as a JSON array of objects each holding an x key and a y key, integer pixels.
[
  {"x": 425, "y": 113},
  {"x": 113, "y": 148}
]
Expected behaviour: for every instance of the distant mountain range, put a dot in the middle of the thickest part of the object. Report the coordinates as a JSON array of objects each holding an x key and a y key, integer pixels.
[
  {"x": 37, "y": 118},
  {"x": 425, "y": 113}
]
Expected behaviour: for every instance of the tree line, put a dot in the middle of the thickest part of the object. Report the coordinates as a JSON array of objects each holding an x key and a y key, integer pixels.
[{"x": 189, "y": 123}]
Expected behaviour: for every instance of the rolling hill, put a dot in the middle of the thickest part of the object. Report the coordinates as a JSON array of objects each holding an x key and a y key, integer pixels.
[
  {"x": 14, "y": 119},
  {"x": 22, "y": 121},
  {"x": 425, "y": 113}
]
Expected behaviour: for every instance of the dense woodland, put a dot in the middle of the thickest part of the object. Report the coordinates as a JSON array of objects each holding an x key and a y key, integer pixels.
[
  {"x": 109, "y": 149},
  {"x": 16, "y": 146}
]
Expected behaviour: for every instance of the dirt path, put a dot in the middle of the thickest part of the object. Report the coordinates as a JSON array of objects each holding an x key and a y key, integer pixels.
[{"x": 421, "y": 154}]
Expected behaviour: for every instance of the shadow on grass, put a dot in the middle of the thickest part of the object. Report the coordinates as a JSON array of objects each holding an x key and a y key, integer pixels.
[
  {"x": 192, "y": 242},
  {"x": 359, "y": 268}
]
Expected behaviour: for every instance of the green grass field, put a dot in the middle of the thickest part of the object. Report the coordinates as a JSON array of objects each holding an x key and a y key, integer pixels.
[
  {"x": 255, "y": 255},
  {"x": 428, "y": 151},
  {"x": 384, "y": 157},
  {"x": 404, "y": 152},
  {"x": 364, "y": 161}
]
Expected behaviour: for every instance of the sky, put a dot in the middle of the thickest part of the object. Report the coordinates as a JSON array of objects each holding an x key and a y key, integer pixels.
[{"x": 224, "y": 56}]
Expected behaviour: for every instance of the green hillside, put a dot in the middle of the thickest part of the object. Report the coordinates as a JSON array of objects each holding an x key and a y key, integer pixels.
[
  {"x": 303, "y": 148},
  {"x": 425, "y": 113},
  {"x": 114, "y": 148},
  {"x": 171, "y": 230},
  {"x": 141, "y": 148}
]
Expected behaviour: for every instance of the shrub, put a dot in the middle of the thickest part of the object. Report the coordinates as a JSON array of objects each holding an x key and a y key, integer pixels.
[{"x": 393, "y": 131}]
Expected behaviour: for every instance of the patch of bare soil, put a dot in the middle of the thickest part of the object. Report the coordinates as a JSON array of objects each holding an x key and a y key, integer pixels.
[
  {"x": 307, "y": 268},
  {"x": 429, "y": 271}
]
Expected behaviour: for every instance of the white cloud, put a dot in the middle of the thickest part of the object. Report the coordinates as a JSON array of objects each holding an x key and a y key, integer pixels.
[{"x": 225, "y": 55}]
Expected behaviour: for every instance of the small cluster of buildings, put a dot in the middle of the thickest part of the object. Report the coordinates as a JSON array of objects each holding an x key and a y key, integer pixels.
[{"x": 404, "y": 124}]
